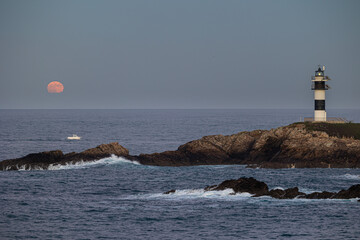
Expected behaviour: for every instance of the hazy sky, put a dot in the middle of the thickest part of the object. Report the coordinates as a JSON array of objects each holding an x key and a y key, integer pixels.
[{"x": 178, "y": 54}]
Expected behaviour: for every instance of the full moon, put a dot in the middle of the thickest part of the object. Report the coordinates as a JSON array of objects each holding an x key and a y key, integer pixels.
[{"x": 55, "y": 87}]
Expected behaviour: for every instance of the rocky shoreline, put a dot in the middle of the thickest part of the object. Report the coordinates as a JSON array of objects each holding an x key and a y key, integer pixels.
[
  {"x": 44, "y": 160},
  {"x": 299, "y": 145},
  {"x": 260, "y": 189}
]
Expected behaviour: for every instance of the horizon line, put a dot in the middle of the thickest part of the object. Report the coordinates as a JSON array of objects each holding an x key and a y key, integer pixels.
[{"x": 245, "y": 108}]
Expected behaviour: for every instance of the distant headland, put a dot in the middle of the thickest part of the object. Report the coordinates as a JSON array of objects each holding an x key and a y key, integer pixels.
[{"x": 299, "y": 145}]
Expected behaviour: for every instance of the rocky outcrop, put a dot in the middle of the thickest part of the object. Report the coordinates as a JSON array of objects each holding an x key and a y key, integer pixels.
[
  {"x": 301, "y": 145},
  {"x": 260, "y": 189},
  {"x": 289, "y": 193},
  {"x": 250, "y": 185},
  {"x": 45, "y": 159},
  {"x": 352, "y": 192},
  {"x": 293, "y": 146}
]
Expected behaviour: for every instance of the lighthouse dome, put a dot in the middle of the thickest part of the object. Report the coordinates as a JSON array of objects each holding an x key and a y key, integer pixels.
[{"x": 319, "y": 72}]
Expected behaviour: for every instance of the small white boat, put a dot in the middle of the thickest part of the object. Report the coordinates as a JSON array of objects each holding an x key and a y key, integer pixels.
[{"x": 74, "y": 137}]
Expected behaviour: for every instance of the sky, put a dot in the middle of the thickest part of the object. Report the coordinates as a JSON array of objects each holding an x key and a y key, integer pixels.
[{"x": 177, "y": 54}]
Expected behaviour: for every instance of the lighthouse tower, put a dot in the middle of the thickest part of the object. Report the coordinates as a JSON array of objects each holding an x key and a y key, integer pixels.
[{"x": 319, "y": 86}]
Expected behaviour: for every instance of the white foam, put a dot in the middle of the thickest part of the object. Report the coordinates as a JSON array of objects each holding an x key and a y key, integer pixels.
[
  {"x": 308, "y": 190},
  {"x": 227, "y": 194},
  {"x": 196, "y": 193},
  {"x": 81, "y": 164},
  {"x": 24, "y": 167},
  {"x": 86, "y": 164},
  {"x": 350, "y": 176}
]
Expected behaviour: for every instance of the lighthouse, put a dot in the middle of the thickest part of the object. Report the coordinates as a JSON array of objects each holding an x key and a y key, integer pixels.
[{"x": 319, "y": 86}]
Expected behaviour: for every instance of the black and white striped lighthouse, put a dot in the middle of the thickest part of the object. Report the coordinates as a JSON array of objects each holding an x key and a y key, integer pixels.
[{"x": 319, "y": 86}]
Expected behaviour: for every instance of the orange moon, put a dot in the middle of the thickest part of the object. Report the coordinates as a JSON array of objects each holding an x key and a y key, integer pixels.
[{"x": 55, "y": 87}]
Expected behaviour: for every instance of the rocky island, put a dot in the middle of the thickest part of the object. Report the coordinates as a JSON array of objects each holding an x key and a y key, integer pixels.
[
  {"x": 299, "y": 145},
  {"x": 260, "y": 189}
]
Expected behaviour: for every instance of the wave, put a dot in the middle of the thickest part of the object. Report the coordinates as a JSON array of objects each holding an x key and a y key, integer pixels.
[
  {"x": 112, "y": 160},
  {"x": 350, "y": 176},
  {"x": 101, "y": 162},
  {"x": 227, "y": 194},
  {"x": 224, "y": 195}
]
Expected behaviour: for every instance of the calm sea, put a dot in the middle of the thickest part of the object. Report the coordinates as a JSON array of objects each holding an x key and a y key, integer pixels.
[{"x": 115, "y": 199}]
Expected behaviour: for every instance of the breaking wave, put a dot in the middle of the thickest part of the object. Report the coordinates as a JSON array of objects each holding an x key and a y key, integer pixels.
[
  {"x": 350, "y": 176},
  {"x": 227, "y": 194},
  {"x": 104, "y": 161},
  {"x": 112, "y": 160}
]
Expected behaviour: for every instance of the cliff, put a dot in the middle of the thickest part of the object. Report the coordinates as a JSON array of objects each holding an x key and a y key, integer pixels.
[{"x": 299, "y": 145}]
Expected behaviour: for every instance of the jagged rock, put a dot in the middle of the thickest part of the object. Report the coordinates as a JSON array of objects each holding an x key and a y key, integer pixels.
[
  {"x": 38, "y": 160},
  {"x": 44, "y": 159},
  {"x": 250, "y": 185},
  {"x": 293, "y": 146},
  {"x": 259, "y": 189},
  {"x": 320, "y": 195},
  {"x": 111, "y": 148},
  {"x": 289, "y": 193},
  {"x": 352, "y": 192}
]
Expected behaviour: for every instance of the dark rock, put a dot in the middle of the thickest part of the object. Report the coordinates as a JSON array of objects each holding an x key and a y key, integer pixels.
[
  {"x": 171, "y": 191},
  {"x": 209, "y": 150},
  {"x": 44, "y": 159},
  {"x": 320, "y": 195},
  {"x": 289, "y": 193},
  {"x": 352, "y": 192},
  {"x": 292, "y": 193},
  {"x": 275, "y": 193},
  {"x": 111, "y": 148},
  {"x": 250, "y": 185},
  {"x": 33, "y": 160}
]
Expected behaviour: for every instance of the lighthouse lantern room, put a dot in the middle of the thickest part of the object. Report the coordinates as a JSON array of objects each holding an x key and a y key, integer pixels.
[{"x": 319, "y": 86}]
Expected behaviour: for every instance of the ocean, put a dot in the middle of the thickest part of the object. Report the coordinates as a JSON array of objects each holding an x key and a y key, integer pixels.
[{"x": 114, "y": 198}]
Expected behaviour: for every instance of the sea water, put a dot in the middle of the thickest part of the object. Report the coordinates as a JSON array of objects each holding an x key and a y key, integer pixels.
[{"x": 114, "y": 198}]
